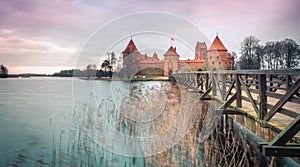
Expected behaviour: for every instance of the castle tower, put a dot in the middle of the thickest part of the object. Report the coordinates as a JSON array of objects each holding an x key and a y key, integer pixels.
[
  {"x": 217, "y": 55},
  {"x": 171, "y": 61},
  {"x": 131, "y": 50},
  {"x": 200, "y": 51}
]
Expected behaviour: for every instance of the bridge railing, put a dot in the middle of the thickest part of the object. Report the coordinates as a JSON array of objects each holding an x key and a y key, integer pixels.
[{"x": 269, "y": 92}]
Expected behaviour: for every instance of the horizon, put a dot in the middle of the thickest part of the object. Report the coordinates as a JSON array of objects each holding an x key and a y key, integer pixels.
[{"x": 37, "y": 39}]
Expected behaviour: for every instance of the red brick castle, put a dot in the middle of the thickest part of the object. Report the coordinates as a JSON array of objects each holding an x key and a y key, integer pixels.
[{"x": 216, "y": 57}]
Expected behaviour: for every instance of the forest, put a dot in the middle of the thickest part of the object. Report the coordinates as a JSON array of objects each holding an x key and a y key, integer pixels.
[{"x": 272, "y": 55}]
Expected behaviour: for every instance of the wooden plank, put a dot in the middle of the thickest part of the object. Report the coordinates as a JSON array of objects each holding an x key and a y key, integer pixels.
[
  {"x": 230, "y": 89},
  {"x": 189, "y": 85},
  {"x": 186, "y": 80},
  {"x": 283, "y": 100},
  {"x": 238, "y": 92},
  {"x": 228, "y": 102},
  {"x": 196, "y": 81},
  {"x": 266, "y": 72},
  {"x": 201, "y": 80},
  {"x": 288, "y": 82},
  {"x": 275, "y": 88},
  {"x": 288, "y": 113},
  {"x": 223, "y": 93},
  {"x": 284, "y": 136},
  {"x": 198, "y": 85},
  {"x": 205, "y": 93},
  {"x": 281, "y": 151},
  {"x": 276, "y": 95},
  {"x": 279, "y": 96},
  {"x": 232, "y": 112},
  {"x": 213, "y": 85},
  {"x": 249, "y": 96},
  {"x": 205, "y": 98},
  {"x": 218, "y": 86},
  {"x": 206, "y": 80},
  {"x": 284, "y": 111}
]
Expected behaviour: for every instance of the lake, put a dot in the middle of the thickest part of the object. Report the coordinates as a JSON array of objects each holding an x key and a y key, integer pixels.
[
  {"x": 76, "y": 122},
  {"x": 37, "y": 121},
  {"x": 32, "y": 111}
]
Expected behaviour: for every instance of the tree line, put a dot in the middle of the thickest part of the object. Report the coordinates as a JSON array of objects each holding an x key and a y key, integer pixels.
[
  {"x": 284, "y": 54},
  {"x": 90, "y": 71},
  {"x": 106, "y": 70}
]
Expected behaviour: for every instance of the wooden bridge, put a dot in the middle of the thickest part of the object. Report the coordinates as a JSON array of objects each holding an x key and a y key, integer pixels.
[{"x": 270, "y": 98}]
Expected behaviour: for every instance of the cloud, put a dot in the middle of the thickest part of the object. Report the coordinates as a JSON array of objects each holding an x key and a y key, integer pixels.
[
  {"x": 49, "y": 33},
  {"x": 27, "y": 50}
]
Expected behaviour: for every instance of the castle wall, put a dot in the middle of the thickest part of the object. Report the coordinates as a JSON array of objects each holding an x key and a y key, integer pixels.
[{"x": 216, "y": 57}]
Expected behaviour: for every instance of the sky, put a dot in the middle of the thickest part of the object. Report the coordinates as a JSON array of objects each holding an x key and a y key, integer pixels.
[{"x": 46, "y": 36}]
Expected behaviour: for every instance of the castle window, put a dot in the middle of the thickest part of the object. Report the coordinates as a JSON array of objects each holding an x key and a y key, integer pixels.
[
  {"x": 210, "y": 57},
  {"x": 217, "y": 57},
  {"x": 213, "y": 62},
  {"x": 219, "y": 62}
]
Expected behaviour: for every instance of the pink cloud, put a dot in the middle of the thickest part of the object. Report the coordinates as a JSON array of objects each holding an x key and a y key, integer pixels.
[{"x": 35, "y": 32}]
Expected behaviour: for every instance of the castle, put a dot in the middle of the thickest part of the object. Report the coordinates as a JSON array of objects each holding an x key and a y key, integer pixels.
[{"x": 215, "y": 57}]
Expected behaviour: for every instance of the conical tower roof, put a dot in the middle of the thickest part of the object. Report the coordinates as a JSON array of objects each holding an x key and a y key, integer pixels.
[
  {"x": 217, "y": 45},
  {"x": 131, "y": 47},
  {"x": 171, "y": 51}
]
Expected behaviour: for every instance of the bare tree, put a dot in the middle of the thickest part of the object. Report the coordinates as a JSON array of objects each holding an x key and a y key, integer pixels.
[
  {"x": 269, "y": 54},
  {"x": 291, "y": 53},
  {"x": 113, "y": 60},
  {"x": 281, "y": 54},
  {"x": 234, "y": 66},
  {"x": 91, "y": 70},
  {"x": 3, "y": 71},
  {"x": 250, "y": 50}
]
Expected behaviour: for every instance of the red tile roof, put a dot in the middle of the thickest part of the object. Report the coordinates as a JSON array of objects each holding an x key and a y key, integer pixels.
[
  {"x": 217, "y": 45},
  {"x": 171, "y": 51},
  {"x": 131, "y": 47}
]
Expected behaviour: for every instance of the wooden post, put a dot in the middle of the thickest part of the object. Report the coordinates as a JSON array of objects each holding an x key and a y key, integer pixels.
[
  {"x": 191, "y": 79},
  {"x": 201, "y": 82},
  {"x": 288, "y": 82},
  {"x": 271, "y": 83},
  {"x": 262, "y": 88},
  {"x": 256, "y": 82},
  {"x": 197, "y": 81},
  {"x": 206, "y": 81},
  {"x": 223, "y": 94},
  {"x": 246, "y": 78},
  {"x": 238, "y": 91},
  {"x": 213, "y": 84}
]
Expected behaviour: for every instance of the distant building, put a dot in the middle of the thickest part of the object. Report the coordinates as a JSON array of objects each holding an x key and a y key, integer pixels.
[{"x": 215, "y": 57}]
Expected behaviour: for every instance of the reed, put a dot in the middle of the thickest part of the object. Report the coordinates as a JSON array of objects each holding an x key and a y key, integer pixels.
[{"x": 182, "y": 114}]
